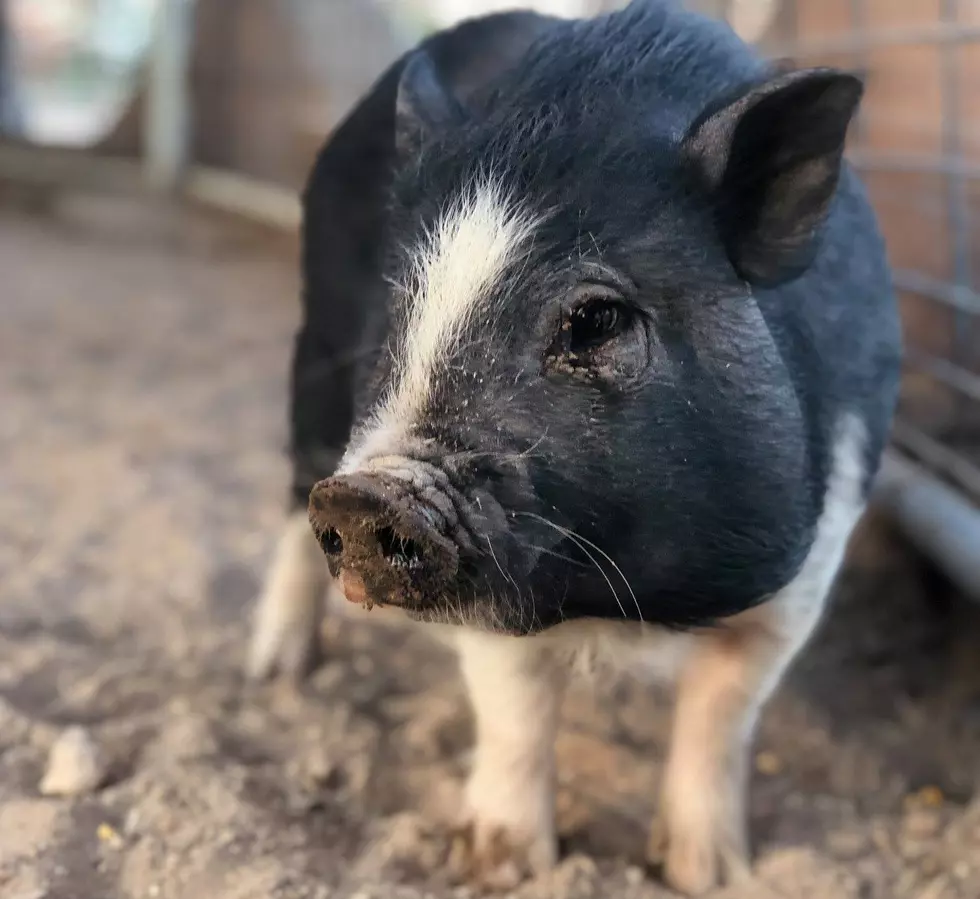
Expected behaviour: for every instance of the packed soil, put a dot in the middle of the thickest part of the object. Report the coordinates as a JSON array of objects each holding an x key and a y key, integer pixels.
[{"x": 143, "y": 361}]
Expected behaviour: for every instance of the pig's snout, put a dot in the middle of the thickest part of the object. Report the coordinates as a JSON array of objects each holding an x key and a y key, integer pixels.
[{"x": 383, "y": 543}]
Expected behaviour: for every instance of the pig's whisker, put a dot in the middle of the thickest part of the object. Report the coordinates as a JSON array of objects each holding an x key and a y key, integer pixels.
[
  {"x": 556, "y": 555},
  {"x": 618, "y": 571},
  {"x": 496, "y": 562},
  {"x": 530, "y": 450},
  {"x": 572, "y": 535},
  {"x": 581, "y": 544},
  {"x": 499, "y": 457}
]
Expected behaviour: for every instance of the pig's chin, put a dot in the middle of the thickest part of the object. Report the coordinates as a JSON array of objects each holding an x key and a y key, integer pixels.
[
  {"x": 492, "y": 616},
  {"x": 489, "y": 610}
]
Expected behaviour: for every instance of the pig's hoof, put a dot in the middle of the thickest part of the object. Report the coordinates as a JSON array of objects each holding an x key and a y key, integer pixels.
[
  {"x": 494, "y": 857},
  {"x": 696, "y": 861}
]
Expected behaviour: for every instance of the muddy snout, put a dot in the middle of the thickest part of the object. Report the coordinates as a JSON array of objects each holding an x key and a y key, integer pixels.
[{"x": 385, "y": 544}]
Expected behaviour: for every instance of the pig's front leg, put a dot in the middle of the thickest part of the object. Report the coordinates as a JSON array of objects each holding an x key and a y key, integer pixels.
[
  {"x": 515, "y": 688},
  {"x": 700, "y": 833},
  {"x": 286, "y": 630}
]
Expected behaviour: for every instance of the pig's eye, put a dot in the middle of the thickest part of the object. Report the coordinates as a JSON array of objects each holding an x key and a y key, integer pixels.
[
  {"x": 595, "y": 322},
  {"x": 602, "y": 340}
]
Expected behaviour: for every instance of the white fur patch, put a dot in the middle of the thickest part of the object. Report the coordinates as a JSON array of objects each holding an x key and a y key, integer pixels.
[
  {"x": 452, "y": 273},
  {"x": 287, "y": 619},
  {"x": 515, "y": 690},
  {"x": 803, "y": 598}
]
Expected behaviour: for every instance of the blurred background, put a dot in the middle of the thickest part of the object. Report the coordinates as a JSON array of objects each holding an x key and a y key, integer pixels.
[{"x": 151, "y": 154}]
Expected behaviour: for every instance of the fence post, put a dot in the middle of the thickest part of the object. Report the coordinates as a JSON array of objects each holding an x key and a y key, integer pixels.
[
  {"x": 937, "y": 519},
  {"x": 166, "y": 139}
]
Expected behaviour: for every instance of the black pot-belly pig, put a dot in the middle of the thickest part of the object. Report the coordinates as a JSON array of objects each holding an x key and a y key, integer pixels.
[{"x": 598, "y": 358}]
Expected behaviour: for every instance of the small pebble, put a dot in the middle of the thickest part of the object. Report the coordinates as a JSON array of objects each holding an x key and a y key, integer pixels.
[
  {"x": 922, "y": 823},
  {"x": 768, "y": 763},
  {"x": 927, "y": 797},
  {"x": 848, "y": 843},
  {"x": 881, "y": 837},
  {"x": 188, "y": 736},
  {"x": 318, "y": 765},
  {"x": 131, "y": 824},
  {"x": 109, "y": 835},
  {"x": 634, "y": 876},
  {"x": 363, "y": 666},
  {"x": 75, "y": 765},
  {"x": 582, "y": 866}
]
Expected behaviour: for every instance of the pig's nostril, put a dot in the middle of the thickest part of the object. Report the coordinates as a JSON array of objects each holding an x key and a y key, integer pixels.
[
  {"x": 401, "y": 552},
  {"x": 331, "y": 542}
]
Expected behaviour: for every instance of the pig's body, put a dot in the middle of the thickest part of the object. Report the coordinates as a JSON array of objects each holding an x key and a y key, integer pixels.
[{"x": 597, "y": 332}]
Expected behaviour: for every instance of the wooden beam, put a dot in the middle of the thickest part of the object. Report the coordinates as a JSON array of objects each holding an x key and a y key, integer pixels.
[
  {"x": 68, "y": 168},
  {"x": 268, "y": 204}
]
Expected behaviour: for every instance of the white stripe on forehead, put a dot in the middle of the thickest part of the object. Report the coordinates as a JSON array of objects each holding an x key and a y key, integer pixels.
[{"x": 452, "y": 273}]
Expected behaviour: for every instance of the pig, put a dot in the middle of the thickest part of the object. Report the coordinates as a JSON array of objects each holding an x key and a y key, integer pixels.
[{"x": 599, "y": 360}]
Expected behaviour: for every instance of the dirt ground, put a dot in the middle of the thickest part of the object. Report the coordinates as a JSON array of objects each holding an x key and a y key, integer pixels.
[{"x": 143, "y": 360}]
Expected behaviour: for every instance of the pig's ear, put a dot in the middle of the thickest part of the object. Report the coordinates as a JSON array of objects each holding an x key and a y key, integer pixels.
[
  {"x": 772, "y": 161},
  {"x": 424, "y": 104}
]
